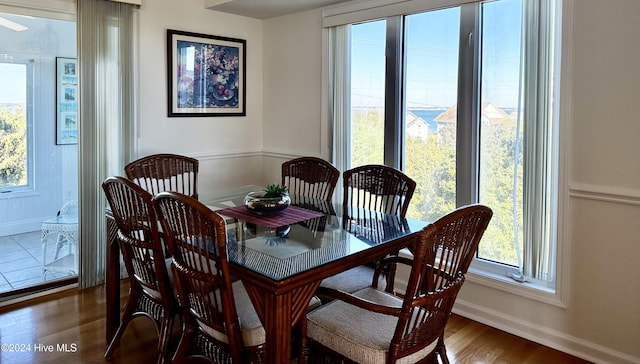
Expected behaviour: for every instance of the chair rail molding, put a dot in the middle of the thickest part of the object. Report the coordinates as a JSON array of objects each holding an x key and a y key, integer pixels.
[
  {"x": 132, "y": 2},
  {"x": 612, "y": 194},
  {"x": 225, "y": 155},
  {"x": 287, "y": 154}
]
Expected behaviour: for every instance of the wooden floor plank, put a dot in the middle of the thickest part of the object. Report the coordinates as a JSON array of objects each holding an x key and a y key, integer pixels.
[{"x": 69, "y": 327}]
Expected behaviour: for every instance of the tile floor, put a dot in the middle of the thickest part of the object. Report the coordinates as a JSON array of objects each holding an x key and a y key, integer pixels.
[{"x": 21, "y": 261}]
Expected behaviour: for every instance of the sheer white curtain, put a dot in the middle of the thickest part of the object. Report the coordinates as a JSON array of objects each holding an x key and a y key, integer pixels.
[{"x": 106, "y": 41}]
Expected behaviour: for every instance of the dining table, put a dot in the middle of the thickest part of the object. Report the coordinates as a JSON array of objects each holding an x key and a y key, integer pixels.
[{"x": 281, "y": 259}]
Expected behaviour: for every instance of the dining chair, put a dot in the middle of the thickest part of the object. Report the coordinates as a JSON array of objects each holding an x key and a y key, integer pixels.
[
  {"x": 151, "y": 293},
  {"x": 165, "y": 172},
  {"x": 310, "y": 177},
  {"x": 220, "y": 324},
  {"x": 374, "y": 326},
  {"x": 378, "y": 188},
  {"x": 369, "y": 188}
]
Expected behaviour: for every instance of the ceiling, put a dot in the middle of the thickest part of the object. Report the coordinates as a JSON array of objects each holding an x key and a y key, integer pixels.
[{"x": 265, "y": 9}]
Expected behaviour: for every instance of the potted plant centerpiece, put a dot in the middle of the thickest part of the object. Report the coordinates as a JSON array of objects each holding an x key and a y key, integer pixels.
[{"x": 274, "y": 198}]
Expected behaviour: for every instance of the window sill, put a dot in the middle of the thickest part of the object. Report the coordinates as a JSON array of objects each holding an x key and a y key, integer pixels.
[
  {"x": 528, "y": 290},
  {"x": 7, "y": 195}
]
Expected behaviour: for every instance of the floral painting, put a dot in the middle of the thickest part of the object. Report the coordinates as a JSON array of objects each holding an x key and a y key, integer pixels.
[{"x": 206, "y": 75}]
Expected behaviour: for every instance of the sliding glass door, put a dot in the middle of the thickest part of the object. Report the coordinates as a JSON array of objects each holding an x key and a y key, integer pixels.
[{"x": 38, "y": 144}]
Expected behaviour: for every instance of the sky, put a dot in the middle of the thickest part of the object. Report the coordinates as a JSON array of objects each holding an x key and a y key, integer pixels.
[
  {"x": 13, "y": 85},
  {"x": 432, "y": 43},
  {"x": 432, "y": 57},
  {"x": 39, "y": 41}
]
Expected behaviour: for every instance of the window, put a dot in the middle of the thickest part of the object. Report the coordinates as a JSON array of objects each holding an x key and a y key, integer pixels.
[
  {"x": 367, "y": 93},
  {"x": 462, "y": 100},
  {"x": 14, "y": 130}
]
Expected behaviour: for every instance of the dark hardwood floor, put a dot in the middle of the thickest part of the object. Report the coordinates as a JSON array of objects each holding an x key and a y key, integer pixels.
[{"x": 69, "y": 327}]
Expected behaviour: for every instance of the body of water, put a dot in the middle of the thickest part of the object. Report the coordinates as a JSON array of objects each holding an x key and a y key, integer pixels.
[{"x": 428, "y": 115}]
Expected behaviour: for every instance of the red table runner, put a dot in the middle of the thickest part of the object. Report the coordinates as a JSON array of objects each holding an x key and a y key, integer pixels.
[{"x": 288, "y": 216}]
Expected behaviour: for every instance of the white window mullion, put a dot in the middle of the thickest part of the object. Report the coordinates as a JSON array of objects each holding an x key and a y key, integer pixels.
[
  {"x": 468, "y": 120},
  {"x": 393, "y": 125}
]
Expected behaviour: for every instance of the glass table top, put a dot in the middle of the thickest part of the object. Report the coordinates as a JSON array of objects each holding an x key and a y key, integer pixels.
[{"x": 282, "y": 252}]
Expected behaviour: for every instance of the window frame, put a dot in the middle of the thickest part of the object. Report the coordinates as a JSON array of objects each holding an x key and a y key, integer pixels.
[
  {"x": 27, "y": 189},
  {"x": 486, "y": 272}
]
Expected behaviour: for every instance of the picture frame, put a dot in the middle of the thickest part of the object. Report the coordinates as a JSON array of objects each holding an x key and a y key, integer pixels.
[
  {"x": 206, "y": 75},
  {"x": 66, "y": 101}
]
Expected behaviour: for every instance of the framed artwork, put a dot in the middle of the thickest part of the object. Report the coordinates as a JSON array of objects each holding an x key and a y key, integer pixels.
[
  {"x": 206, "y": 75},
  {"x": 66, "y": 101}
]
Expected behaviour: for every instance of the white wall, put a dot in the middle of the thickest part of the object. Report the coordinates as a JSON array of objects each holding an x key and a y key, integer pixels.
[
  {"x": 602, "y": 319},
  {"x": 292, "y": 89},
  {"x": 218, "y": 142}
]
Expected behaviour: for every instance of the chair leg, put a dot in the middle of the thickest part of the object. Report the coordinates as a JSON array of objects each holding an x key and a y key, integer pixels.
[
  {"x": 43, "y": 240},
  {"x": 442, "y": 351},
  {"x": 183, "y": 345},
  {"x": 59, "y": 244},
  {"x": 302, "y": 349},
  {"x": 165, "y": 337},
  {"x": 116, "y": 339},
  {"x": 127, "y": 315}
]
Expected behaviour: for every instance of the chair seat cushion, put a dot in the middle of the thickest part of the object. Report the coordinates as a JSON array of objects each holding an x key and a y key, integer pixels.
[
  {"x": 253, "y": 333},
  {"x": 156, "y": 294},
  {"x": 351, "y": 280},
  {"x": 360, "y": 335}
]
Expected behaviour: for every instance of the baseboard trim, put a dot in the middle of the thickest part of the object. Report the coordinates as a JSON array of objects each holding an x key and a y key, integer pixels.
[
  {"x": 21, "y": 227},
  {"x": 542, "y": 335}
]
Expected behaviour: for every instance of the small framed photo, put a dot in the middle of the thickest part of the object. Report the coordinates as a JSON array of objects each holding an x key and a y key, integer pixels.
[
  {"x": 206, "y": 75},
  {"x": 66, "y": 101}
]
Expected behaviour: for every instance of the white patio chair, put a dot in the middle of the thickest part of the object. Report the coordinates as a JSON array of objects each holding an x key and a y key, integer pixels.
[{"x": 65, "y": 226}]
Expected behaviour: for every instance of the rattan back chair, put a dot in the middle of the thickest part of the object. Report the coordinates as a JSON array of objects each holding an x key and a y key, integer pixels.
[
  {"x": 382, "y": 327},
  {"x": 369, "y": 190},
  {"x": 165, "y": 172},
  {"x": 378, "y": 188},
  {"x": 310, "y": 177},
  {"x": 151, "y": 292},
  {"x": 220, "y": 322}
]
